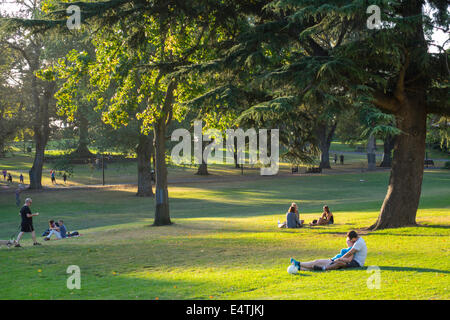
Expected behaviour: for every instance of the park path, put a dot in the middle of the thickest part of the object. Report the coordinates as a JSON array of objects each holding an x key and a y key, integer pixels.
[{"x": 212, "y": 178}]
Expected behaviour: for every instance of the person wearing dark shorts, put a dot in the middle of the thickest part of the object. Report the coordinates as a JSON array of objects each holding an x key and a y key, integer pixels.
[{"x": 27, "y": 223}]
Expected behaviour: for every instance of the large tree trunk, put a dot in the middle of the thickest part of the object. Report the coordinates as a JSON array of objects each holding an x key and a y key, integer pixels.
[
  {"x": 235, "y": 155},
  {"x": 203, "y": 167},
  {"x": 41, "y": 130},
  {"x": 2, "y": 148},
  {"x": 407, "y": 102},
  {"x": 162, "y": 213},
  {"x": 35, "y": 172},
  {"x": 325, "y": 135},
  {"x": 162, "y": 216},
  {"x": 144, "y": 155},
  {"x": 82, "y": 150},
  {"x": 389, "y": 143},
  {"x": 4, "y": 132},
  {"x": 405, "y": 184},
  {"x": 371, "y": 155}
]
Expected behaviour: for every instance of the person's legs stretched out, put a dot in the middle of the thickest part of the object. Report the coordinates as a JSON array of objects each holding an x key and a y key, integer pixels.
[
  {"x": 53, "y": 232},
  {"x": 308, "y": 266}
]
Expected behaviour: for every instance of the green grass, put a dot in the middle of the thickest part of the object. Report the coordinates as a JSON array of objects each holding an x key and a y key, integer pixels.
[{"x": 225, "y": 243}]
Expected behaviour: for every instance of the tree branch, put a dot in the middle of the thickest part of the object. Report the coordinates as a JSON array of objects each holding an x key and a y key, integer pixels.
[{"x": 385, "y": 102}]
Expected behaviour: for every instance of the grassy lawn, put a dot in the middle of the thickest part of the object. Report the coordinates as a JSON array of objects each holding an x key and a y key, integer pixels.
[{"x": 225, "y": 243}]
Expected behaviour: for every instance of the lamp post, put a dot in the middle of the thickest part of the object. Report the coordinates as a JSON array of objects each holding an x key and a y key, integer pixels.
[{"x": 103, "y": 168}]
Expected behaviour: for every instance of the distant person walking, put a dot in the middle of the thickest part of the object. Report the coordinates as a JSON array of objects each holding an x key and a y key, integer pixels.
[
  {"x": 27, "y": 222},
  {"x": 335, "y": 158},
  {"x": 18, "y": 191},
  {"x": 21, "y": 178},
  {"x": 4, "y": 174},
  {"x": 65, "y": 177},
  {"x": 342, "y": 159},
  {"x": 52, "y": 175},
  {"x": 10, "y": 178}
]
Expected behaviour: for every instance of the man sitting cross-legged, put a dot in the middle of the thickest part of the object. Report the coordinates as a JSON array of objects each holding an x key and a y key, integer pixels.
[{"x": 354, "y": 258}]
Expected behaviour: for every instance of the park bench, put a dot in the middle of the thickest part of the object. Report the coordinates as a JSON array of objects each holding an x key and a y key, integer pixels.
[
  {"x": 314, "y": 170},
  {"x": 429, "y": 162}
]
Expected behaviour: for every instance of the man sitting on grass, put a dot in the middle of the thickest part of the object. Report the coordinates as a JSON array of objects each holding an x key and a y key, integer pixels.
[
  {"x": 59, "y": 230},
  {"x": 354, "y": 257},
  {"x": 308, "y": 266}
]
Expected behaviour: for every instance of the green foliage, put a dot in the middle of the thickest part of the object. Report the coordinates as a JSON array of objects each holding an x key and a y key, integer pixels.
[
  {"x": 447, "y": 165},
  {"x": 63, "y": 164}
]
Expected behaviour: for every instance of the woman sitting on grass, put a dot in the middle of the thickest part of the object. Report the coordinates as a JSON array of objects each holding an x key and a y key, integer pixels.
[
  {"x": 326, "y": 218},
  {"x": 292, "y": 218},
  {"x": 53, "y": 230}
]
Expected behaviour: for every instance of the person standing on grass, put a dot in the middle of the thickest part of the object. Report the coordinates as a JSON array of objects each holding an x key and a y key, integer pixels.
[
  {"x": 27, "y": 222},
  {"x": 335, "y": 158},
  {"x": 52, "y": 174},
  {"x": 65, "y": 177},
  {"x": 10, "y": 178},
  {"x": 21, "y": 178},
  {"x": 342, "y": 159},
  {"x": 4, "y": 174}
]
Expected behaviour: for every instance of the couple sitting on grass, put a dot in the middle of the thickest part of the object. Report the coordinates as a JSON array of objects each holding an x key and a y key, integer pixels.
[
  {"x": 354, "y": 256},
  {"x": 58, "y": 229},
  {"x": 293, "y": 218}
]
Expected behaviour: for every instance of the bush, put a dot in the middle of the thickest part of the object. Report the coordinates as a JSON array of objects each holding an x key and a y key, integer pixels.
[{"x": 447, "y": 165}]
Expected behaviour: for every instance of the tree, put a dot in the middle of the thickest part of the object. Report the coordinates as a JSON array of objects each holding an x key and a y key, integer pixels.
[
  {"x": 389, "y": 68},
  {"x": 74, "y": 100},
  {"x": 35, "y": 52},
  {"x": 139, "y": 47},
  {"x": 10, "y": 103}
]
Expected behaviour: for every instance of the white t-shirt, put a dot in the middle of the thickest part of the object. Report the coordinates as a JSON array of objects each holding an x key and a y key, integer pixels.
[{"x": 361, "y": 251}]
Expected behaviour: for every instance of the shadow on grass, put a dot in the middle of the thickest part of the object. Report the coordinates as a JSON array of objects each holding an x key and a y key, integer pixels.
[
  {"x": 392, "y": 268},
  {"x": 437, "y": 226},
  {"x": 408, "y": 235},
  {"x": 411, "y": 269}
]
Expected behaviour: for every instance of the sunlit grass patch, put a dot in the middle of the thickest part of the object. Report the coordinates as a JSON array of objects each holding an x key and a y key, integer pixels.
[{"x": 225, "y": 243}]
